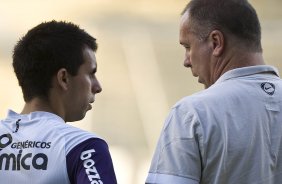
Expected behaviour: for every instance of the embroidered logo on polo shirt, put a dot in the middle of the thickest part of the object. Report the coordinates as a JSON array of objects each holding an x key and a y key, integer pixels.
[{"x": 268, "y": 87}]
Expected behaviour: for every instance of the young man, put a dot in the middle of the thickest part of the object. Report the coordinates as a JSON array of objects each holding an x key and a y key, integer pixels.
[
  {"x": 56, "y": 68},
  {"x": 231, "y": 132}
]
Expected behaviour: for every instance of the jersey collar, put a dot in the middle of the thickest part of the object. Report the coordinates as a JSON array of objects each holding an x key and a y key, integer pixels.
[
  {"x": 245, "y": 71},
  {"x": 33, "y": 115}
]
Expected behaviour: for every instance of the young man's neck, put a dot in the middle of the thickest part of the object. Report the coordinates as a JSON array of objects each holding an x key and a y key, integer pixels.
[{"x": 39, "y": 104}]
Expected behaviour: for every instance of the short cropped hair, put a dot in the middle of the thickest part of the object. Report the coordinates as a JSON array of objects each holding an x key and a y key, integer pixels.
[
  {"x": 236, "y": 17},
  {"x": 44, "y": 50}
]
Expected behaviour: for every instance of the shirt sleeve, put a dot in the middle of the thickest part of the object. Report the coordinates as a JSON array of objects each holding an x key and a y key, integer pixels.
[
  {"x": 90, "y": 163},
  {"x": 177, "y": 158}
]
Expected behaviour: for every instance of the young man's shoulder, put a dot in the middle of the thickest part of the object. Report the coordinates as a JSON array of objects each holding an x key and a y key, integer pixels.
[{"x": 73, "y": 135}]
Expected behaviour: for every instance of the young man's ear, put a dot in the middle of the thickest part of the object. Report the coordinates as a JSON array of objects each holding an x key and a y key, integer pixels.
[
  {"x": 217, "y": 39},
  {"x": 62, "y": 78}
]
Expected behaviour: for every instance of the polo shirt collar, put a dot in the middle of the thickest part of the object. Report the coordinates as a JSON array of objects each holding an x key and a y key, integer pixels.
[{"x": 245, "y": 71}]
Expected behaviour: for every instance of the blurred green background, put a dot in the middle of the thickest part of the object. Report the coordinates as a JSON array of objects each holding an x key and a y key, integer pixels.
[{"x": 140, "y": 66}]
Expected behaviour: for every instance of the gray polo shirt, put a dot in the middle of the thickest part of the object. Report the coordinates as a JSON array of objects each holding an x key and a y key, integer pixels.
[{"x": 230, "y": 133}]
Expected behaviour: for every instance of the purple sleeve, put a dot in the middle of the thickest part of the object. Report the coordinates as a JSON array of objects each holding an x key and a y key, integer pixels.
[{"x": 90, "y": 163}]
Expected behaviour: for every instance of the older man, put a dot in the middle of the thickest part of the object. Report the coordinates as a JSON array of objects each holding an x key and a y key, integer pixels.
[{"x": 231, "y": 132}]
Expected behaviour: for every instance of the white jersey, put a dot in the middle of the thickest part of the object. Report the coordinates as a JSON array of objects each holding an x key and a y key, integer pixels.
[
  {"x": 230, "y": 133},
  {"x": 40, "y": 148}
]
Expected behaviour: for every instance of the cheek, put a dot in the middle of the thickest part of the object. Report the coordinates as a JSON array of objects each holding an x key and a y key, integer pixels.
[
  {"x": 86, "y": 84},
  {"x": 204, "y": 65},
  {"x": 200, "y": 56},
  {"x": 83, "y": 90}
]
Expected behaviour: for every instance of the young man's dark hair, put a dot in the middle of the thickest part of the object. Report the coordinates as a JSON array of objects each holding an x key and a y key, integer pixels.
[
  {"x": 44, "y": 50},
  {"x": 235, "y": 17}
]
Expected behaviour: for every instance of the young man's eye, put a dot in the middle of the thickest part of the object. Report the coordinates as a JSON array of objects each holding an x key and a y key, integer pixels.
[{"x": 92, "y": 74}]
